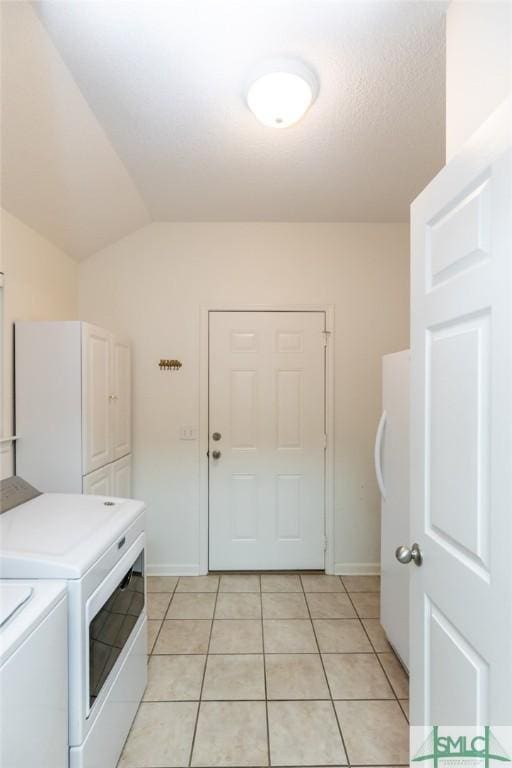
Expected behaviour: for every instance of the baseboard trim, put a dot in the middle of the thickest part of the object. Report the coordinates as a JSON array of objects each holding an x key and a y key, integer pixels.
[
  {"x": 168, "y": 569},
  {"x": 357, "y": 569},
  {"x": 194, "y": 569}
]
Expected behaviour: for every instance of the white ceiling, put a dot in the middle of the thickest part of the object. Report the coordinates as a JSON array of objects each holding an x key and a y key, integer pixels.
[{"x": 165, "y": 81}]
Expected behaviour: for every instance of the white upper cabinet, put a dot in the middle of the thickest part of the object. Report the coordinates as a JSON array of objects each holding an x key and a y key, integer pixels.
[
  {"x": 106, "y": 371},
  {"x": 120, "y": 404},
  {"x": 97, "y": 398},
  {"x": 73, "y": 403}
]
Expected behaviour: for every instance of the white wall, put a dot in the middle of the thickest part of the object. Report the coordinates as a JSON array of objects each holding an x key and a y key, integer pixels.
[
  {"x": 60, "y": 172},
  {"x": 41, "y": 283},
  {"x": 478, "y": 66},
  {"x": 151, "y": 285}
]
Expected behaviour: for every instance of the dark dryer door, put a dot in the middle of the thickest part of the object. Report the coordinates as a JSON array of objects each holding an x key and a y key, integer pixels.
[{"x": 112, "y": 625}]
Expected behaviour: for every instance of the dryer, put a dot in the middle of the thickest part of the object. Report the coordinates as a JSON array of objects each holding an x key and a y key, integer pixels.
[{"x": 96, "y": 544}]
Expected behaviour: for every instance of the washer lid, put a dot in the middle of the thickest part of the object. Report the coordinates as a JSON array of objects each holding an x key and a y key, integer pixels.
[
  {"x": 11, "y": 597},
  {"x": 61, "y": 535}
]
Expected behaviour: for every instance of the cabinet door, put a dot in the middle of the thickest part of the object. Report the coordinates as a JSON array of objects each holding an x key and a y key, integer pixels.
[
  {"x": 121, "y": 398},
  {"x": 96, "y": 398},
  {"x": 122, "y": 477},
  {"x": 98, "y": 483}
]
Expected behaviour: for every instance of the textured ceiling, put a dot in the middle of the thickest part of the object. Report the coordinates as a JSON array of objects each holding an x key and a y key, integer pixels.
[{"x": 166, "y": 81}]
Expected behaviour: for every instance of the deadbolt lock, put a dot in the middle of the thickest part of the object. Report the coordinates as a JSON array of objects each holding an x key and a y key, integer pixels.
[{"x": 216, "y": 436}]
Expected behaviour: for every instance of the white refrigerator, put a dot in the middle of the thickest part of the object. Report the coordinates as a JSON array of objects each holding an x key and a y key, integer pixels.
[{"x": 392, "y": 471}]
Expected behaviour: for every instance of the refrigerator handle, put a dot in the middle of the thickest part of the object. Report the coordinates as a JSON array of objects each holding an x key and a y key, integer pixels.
[{"x": 377, "y": 452}]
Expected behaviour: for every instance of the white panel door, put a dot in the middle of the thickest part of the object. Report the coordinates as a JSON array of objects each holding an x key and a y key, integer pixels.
[
  {"x": 267, "y": 403},
  {"x": 98, "y": 483},
  {"x": 461, "y": 437},
  {"x": 122, "y": 477},
  {"x": 120, "y": 403},
  {"x": 96, "y": 401},
  {"x": 392, "y": 455}
]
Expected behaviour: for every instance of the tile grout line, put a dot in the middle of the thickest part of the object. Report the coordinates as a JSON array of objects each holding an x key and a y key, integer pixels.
[
  {"x": 379, "y": 660},
  {"x": 319, "y": 653},
  {"x": 172, "y": 593},
  {"x": 237, "y": 701},
  {"x": 150, "y": 653},
  {"x": 204, "y": 674},
  {"x": 372, "y": 645},
  {"x": 392, "y": 653},
  {"x": 269, "y": 761},
  {"x": 326, "y": 678},
  {"x": 273, "y": 653}
]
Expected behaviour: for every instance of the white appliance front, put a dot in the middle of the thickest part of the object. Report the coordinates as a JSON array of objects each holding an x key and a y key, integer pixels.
[
  {"x": 33, "y": 675},
  {"x": 108, "y": 666},
  {"x": 392, "y": 470},
  {"x": 97, "y": 544},
  {"x": 103, "y": 623}
]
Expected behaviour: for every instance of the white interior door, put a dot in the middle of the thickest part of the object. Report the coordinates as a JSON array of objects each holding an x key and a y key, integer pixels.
[
  {"x": 267, "y": 404},
  {"x": 121, "y": 398},
  {"x": 461, "y": 437},
  {"x": 96, "y": 383}
]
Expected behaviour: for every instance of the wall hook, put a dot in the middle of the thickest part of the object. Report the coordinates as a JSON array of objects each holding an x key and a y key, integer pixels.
[{"x": 169, "y": 365}]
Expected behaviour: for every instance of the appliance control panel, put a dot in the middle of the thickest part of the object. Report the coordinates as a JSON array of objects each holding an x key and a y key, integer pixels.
[{"x": 15, "y": 491}]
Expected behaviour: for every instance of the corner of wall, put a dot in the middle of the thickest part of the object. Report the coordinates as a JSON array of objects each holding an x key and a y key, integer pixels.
[{"x": 478, "y": 66}]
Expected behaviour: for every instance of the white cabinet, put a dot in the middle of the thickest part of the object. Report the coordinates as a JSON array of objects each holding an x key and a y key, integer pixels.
[
  {"x": 99, "y": 482},
  {"x": 114, "y": 479},
  {"x": 121, "y": 398},
  {"x": 73, "y": 407},
  {"x": 121, "y": 483},
  {"x": 97, "y": 395},
  {"x": 106, "y": 374}
]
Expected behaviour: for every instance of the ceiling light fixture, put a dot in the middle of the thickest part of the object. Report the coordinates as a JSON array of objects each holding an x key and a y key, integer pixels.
[{"x": 281, "y": 97}]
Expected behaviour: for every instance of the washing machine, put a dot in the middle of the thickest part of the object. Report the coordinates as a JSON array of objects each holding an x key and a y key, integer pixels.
[
  {"x": 96, "y": 545},
  {"x": 33, "y": 674}
]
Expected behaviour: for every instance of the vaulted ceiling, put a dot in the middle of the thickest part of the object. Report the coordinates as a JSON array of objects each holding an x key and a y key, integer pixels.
[{"x": 118, "y": 113}]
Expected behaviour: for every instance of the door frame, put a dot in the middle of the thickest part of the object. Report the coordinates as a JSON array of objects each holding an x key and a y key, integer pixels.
[{"x": 204, "y": 391}]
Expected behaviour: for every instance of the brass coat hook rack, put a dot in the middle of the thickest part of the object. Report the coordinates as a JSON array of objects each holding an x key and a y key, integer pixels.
[{"x": 169, "y": 365}]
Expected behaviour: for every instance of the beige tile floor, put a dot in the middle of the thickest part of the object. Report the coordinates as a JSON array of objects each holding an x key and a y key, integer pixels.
[{"x": 270, "y": 670}]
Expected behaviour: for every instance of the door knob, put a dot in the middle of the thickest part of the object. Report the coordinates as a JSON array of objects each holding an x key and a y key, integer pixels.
[
  {"x": 216, "y": 454},
  {"x": 404, "y": 555}
]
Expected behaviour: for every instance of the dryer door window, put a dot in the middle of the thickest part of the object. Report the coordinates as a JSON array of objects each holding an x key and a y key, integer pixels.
[{"x": 111, "y": 627}]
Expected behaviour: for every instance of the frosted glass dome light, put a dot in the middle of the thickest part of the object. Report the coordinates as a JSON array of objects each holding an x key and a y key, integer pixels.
[{"x": 280, "y": 99}]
